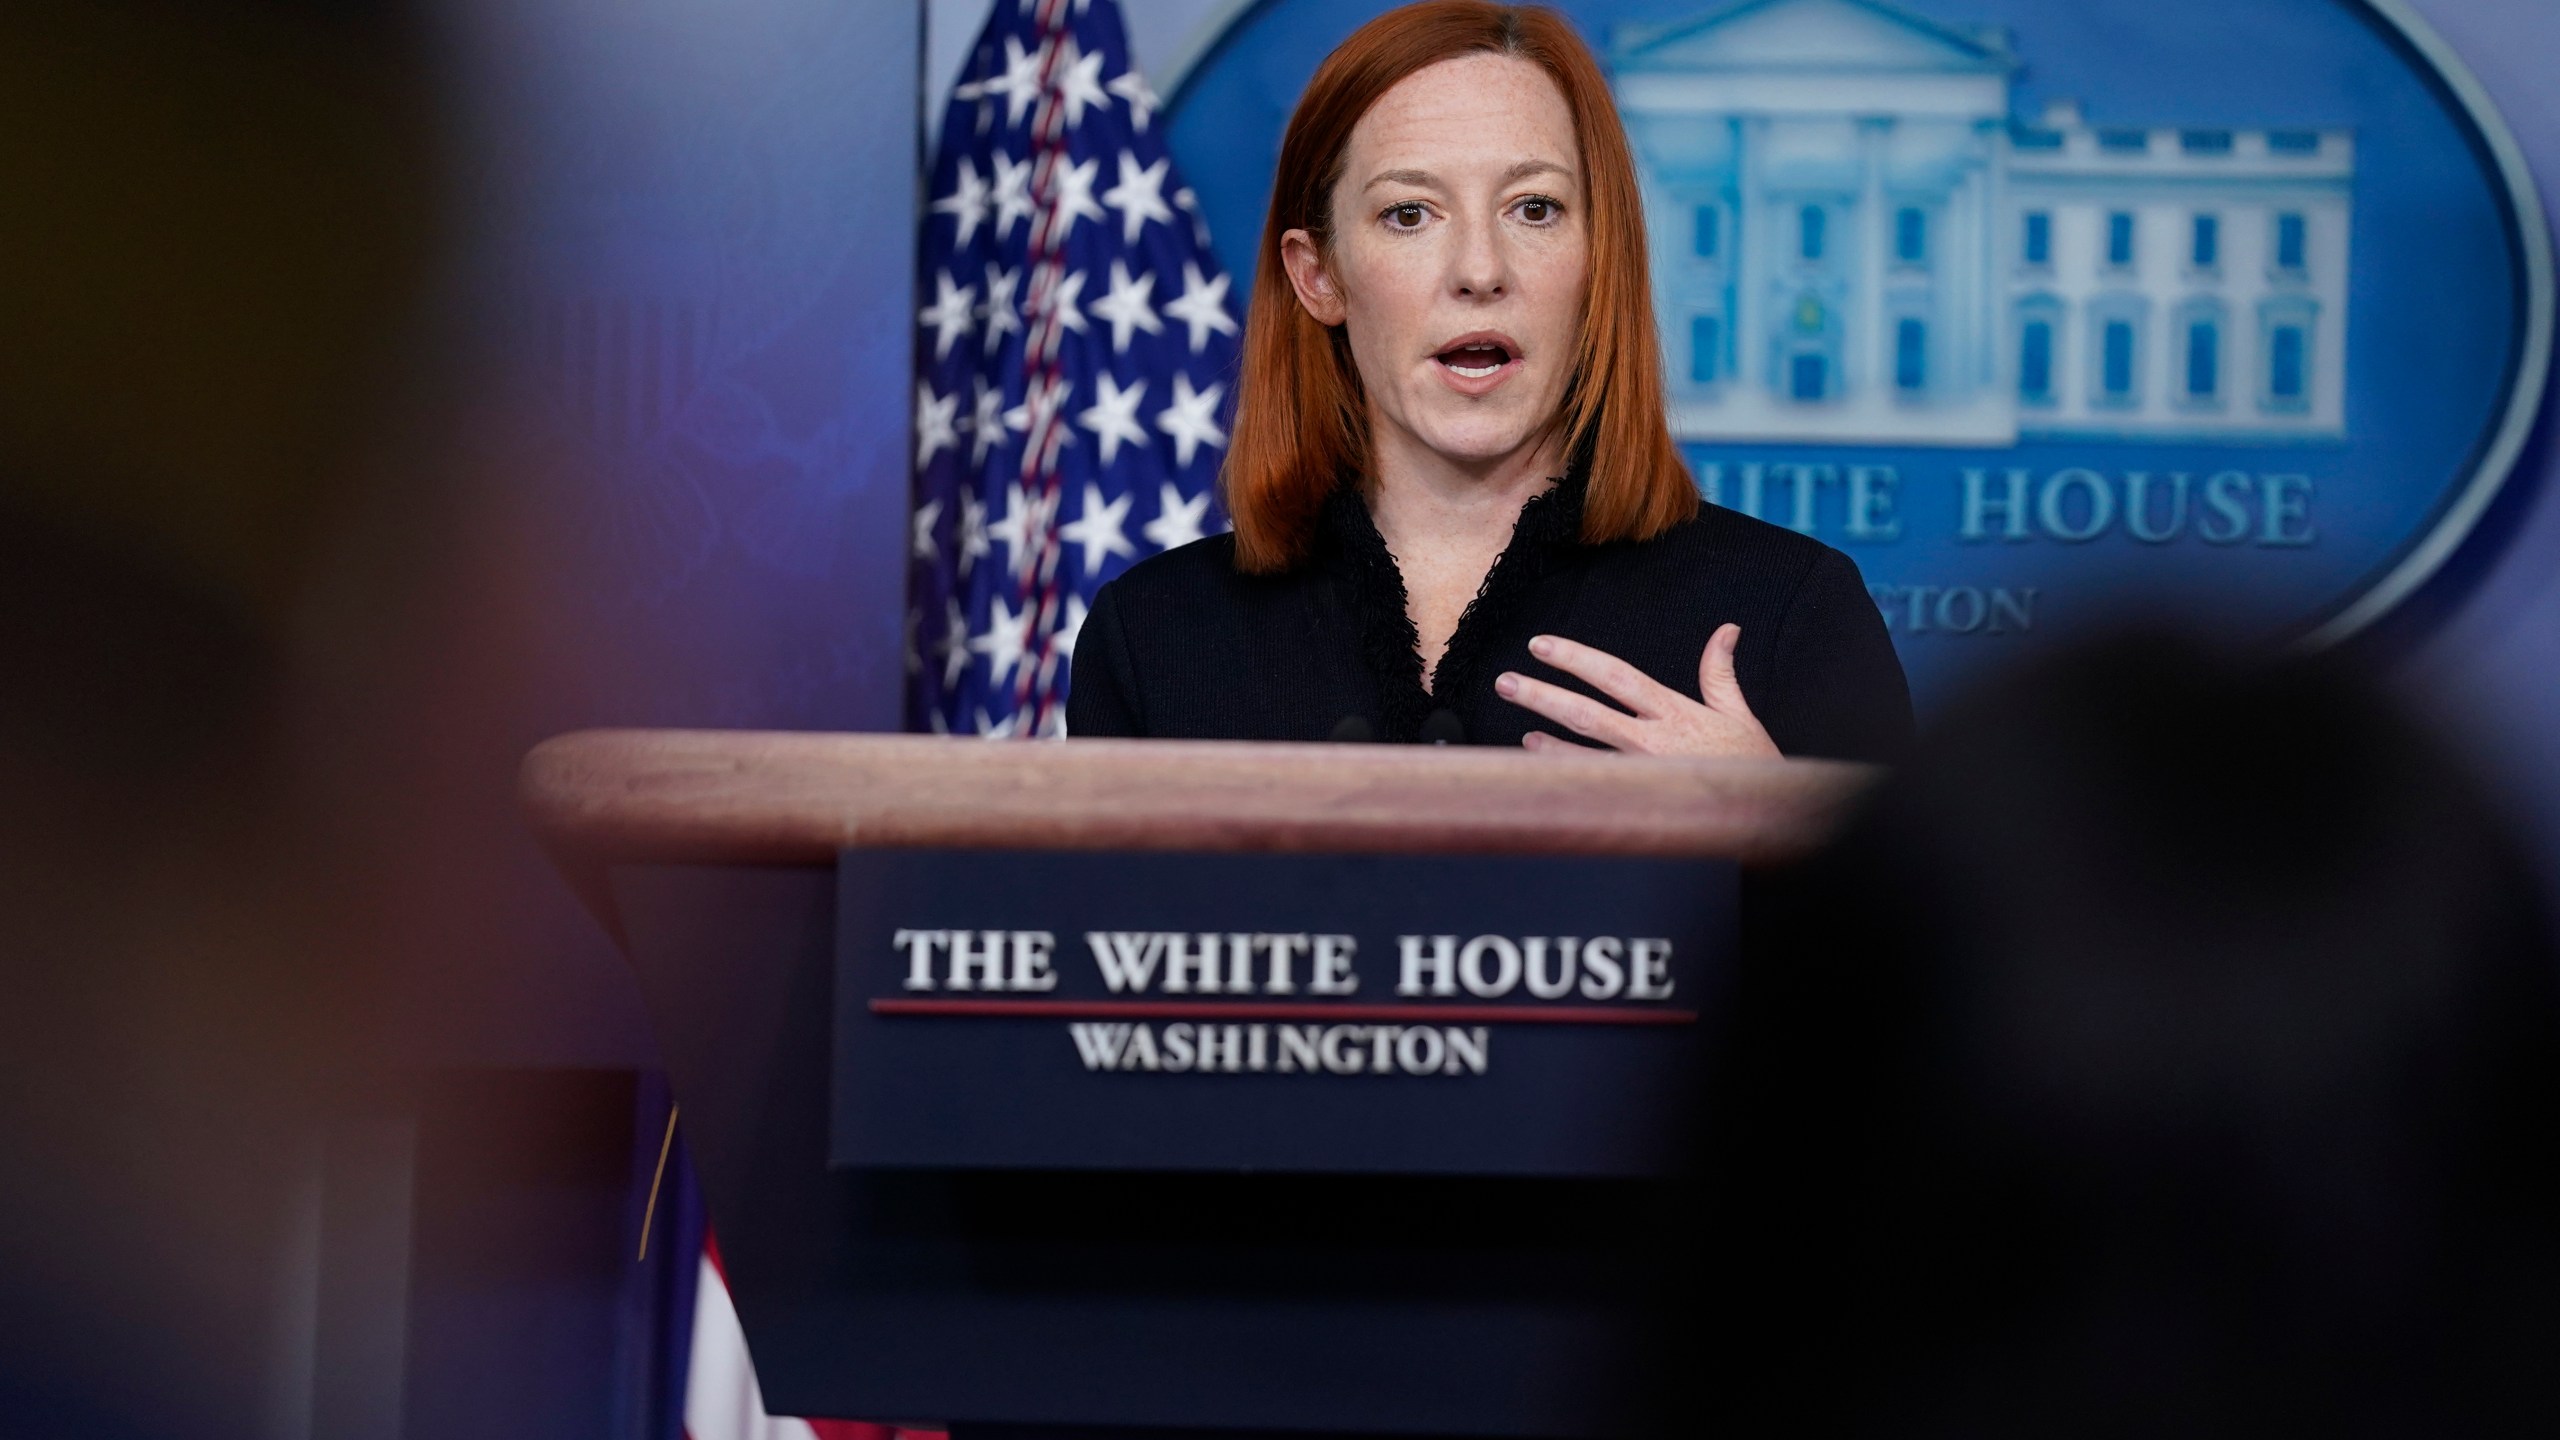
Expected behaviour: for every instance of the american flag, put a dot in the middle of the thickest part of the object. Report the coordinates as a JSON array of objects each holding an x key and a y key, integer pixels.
[
  {"x": 1075, "y": 364},
  {"x": 721, "y": 1398}
]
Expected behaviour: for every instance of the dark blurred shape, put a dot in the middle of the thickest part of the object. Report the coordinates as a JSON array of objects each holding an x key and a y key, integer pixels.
[
  {"x": 222, "y": 221},
  {"x": 221, "y": 215},
  {"x": 2174, "y": 1049}
]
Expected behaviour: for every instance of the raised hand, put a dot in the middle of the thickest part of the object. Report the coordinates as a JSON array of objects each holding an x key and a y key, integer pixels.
[{"x": 1664, "y": 722}]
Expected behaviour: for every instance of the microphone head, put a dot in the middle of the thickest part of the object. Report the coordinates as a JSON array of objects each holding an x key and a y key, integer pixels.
[
  {"x": 1442, "y": 727},
  {"x": 1354, "y": 730}
]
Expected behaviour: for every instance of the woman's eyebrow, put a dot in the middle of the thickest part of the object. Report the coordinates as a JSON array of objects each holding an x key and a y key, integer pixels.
[
  {"x": 1419, "y": 179},
  {"x": 1527, "y": 168},
  {"x": 1425, "y": 180}
]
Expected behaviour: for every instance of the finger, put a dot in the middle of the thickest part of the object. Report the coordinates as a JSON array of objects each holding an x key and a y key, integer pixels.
[
  {"x": 1573, "y": 710},
  {"x": 1539, "y": 742},
  {"x": 1607, "y": 673},
  {"x": 1717, "y": 684}
]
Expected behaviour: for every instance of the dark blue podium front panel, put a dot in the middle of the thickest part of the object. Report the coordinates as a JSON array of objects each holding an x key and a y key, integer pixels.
[
  {"x": 1152, "y": 1304},
  {"x": 1323, "y": 1013}
]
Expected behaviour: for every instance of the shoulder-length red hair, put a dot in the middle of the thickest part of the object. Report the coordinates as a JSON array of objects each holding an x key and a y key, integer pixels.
[{"x": 1302, "y": 420}]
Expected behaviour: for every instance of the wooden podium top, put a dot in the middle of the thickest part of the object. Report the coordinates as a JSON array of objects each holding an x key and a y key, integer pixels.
[{"x": 773, "y": 798}]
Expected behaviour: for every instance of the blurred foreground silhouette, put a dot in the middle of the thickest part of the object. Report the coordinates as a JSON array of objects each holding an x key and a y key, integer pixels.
[
  {"x": 2173, "y": 1050},
  {"x": 222, "y": 226}
]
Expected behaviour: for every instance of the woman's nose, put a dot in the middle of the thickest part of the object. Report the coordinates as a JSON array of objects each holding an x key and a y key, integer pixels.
[{"x": 1479, "y": 268}]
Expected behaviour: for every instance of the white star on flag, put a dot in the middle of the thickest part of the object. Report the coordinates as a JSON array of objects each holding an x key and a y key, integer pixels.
[
  {"x": 986, "y": 421},
  {"x": 1073, "y": 624},
  {"x": 953, "y": 648},
  {"x": 1126, "y": 307},
  {"x": 1020, "y": 531},
  {"x": 1192, "y": 418},
  {"x": 1079, "y": 82},
  {"x": 1132, "y": 87},
  {"x": 1139, "y": 197},
  {"x": 1113, "y": 418},
  {"x": 925, "y": 545},
  {"x": 933, "y": 423},
  {"x": 967, "y": 202},
  {"x": 1005, "y": 640},
  {"x": 1013, "y": 193},
  {"x": 998, "y": 309},
  {"x": 1202, "y": 305},
  {"x": 1177, "y": 520},
  {"x": 1074, "y": 202},
  {"x": 973, "y": 532},
  {"x": 949, "y": 313},
  {"x": 1098, "y": 528},
  {"x": 1020, "y": 84},
  {"x": 1188, "y": 202}
]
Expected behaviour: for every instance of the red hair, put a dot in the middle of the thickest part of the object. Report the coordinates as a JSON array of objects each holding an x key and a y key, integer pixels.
[{"x": 1302, "y": 420}]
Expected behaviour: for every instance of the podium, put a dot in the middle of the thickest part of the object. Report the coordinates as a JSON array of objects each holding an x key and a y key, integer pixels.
[{"x": 1459, "y": 1211}]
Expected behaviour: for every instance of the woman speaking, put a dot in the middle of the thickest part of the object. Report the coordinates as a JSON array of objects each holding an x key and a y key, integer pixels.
[{"x": 1458, "y": 511}]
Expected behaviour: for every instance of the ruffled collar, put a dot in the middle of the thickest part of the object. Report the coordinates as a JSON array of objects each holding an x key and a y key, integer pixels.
[{"x": 1548, "y": 523}]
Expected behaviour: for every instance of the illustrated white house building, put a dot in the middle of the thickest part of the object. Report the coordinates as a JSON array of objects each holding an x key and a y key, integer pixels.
[{"x": 1854, "y": 241}]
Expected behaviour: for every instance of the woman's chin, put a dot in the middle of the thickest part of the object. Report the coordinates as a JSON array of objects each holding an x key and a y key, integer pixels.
[
  {"x": 1478, "y": 436},
  {"x": 1476, "y": 449}
]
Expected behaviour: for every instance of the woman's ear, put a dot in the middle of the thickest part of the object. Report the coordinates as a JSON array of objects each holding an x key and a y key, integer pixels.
[{"x": 1307, "y": 276}]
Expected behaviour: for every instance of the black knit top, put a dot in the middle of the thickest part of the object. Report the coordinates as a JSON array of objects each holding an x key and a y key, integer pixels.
[{"x": 1185, "y": 646}]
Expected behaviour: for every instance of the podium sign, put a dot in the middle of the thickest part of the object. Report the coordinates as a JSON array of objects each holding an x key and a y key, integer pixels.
[{"x": 1383, "y": 1014}]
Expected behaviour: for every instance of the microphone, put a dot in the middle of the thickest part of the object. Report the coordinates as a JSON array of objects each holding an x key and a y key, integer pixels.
[
  {"x": 1441, "y": 727},
  {"x": 1354, "y": 730}
]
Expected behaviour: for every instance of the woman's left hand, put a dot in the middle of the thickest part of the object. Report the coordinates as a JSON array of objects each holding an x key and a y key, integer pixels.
[{"x": 1665, "y": 721}]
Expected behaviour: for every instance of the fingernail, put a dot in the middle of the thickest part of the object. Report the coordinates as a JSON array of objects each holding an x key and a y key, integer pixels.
[
  {"x": 1506, "y": 685},
  {"x": 1542, "y": 645}
]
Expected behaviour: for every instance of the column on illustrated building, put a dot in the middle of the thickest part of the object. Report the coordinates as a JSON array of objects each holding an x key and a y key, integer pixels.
[
  {"x": 1867, "y": 337},
  {"x": 1754, "y": 235},
  {"x": 1995, "y": 234}
]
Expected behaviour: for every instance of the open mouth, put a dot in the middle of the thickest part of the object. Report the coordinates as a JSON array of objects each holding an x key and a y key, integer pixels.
[{"x": 1477, "y": 357}]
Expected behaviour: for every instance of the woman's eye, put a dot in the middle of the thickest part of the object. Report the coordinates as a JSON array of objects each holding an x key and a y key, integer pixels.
[
  {"x": 1404, "y": 217},
  {"x": 1537, "y": 210}
]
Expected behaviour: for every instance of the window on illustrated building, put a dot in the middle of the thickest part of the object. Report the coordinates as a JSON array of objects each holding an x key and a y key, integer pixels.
[
  {"x": 1910, "y": 355},
  {"x": 2116, "y": 325},
  {"x": 1911, "y": 235},
  {"x": 2204, "y": 359},
  {"x": 1706, "y": 349},
  {"x": 1710, "y": 222},
  {"x": 1809, "y": 227},
  {"x": 2036, "y": 247},
  {"x": 2120, "y": 237},
  {"x": 2289, "y": 242},
  {"x": 1808, "y": 376},
  {"x": 2035, "y": 362},
  {"x": 2284, "y": 345},
  {"x": 2284, "y": 363},
  {"x": 2206, "y": 250}
]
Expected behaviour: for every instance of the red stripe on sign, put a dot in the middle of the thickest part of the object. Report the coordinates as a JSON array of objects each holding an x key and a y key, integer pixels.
[{"x": 1303, "y": 1010}]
